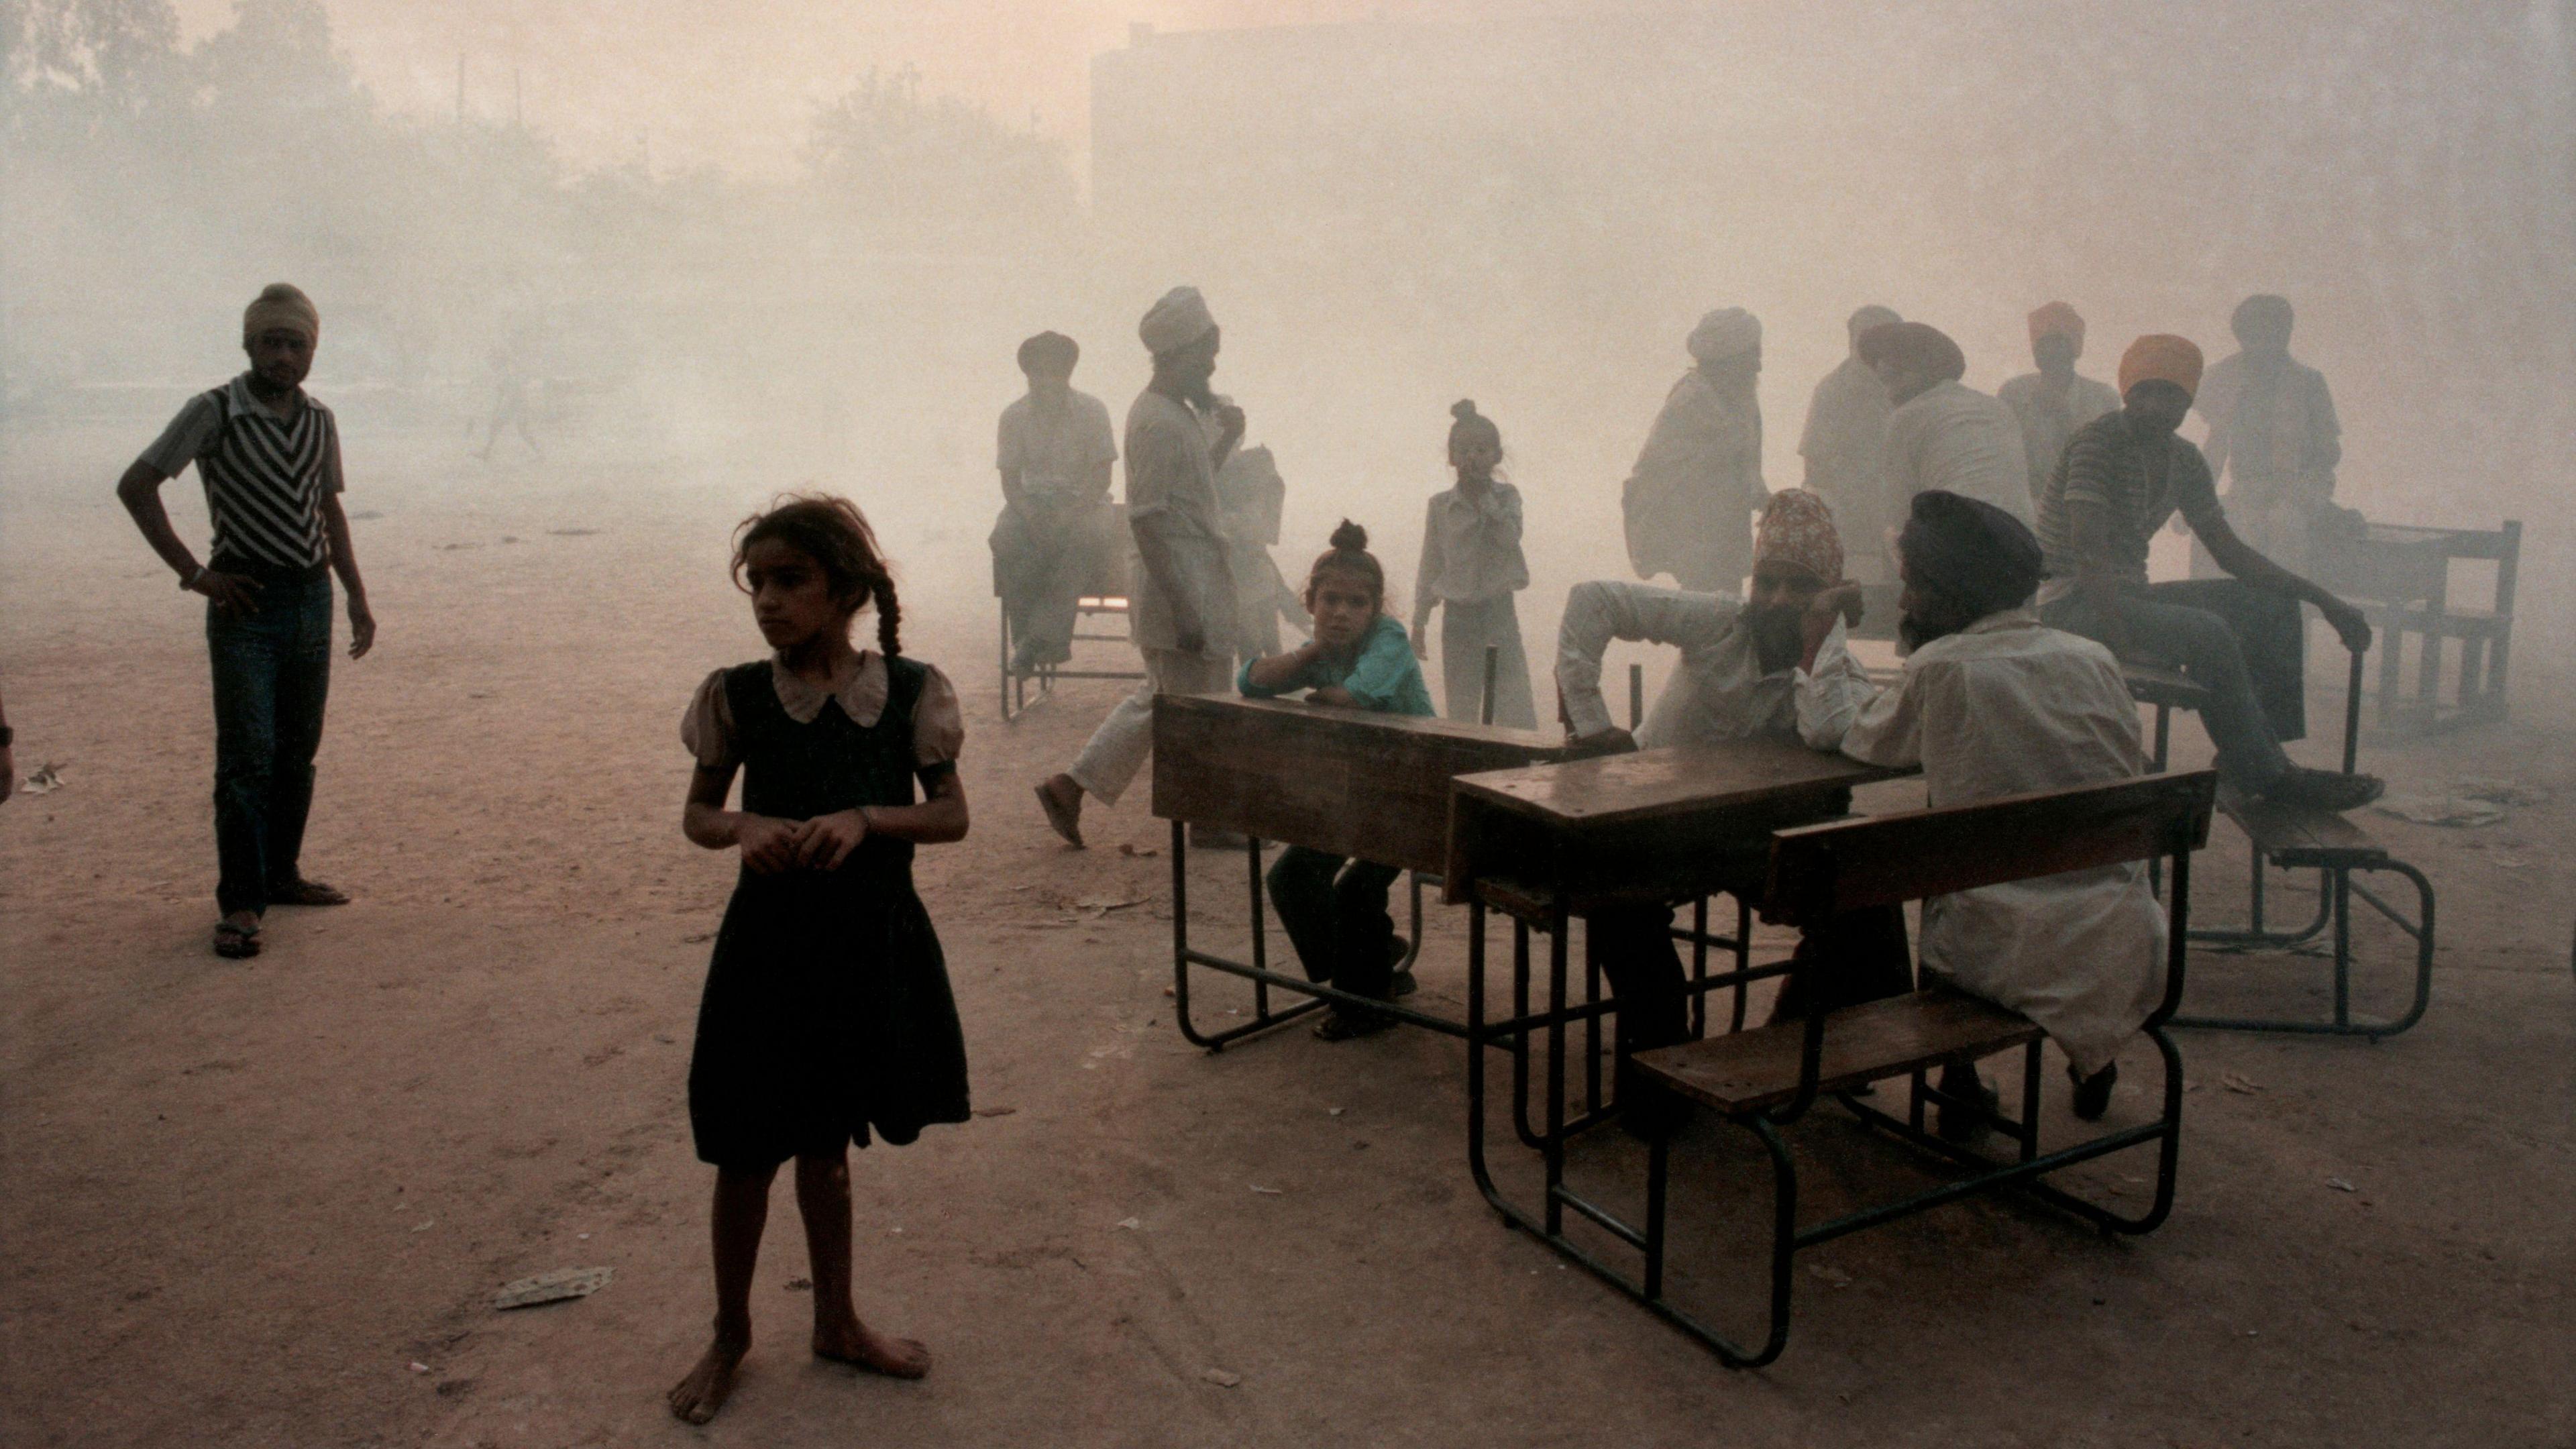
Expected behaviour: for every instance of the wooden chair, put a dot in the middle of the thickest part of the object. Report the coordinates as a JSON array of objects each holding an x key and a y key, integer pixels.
[
  {"x": 1106, "y": 593},
  {"x": 1766, "y": 1079},
  {"x": 2401, "y": 577}
]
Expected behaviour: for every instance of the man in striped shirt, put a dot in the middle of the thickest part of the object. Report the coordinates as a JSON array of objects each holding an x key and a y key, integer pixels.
[{"x": 269, "y": 457}]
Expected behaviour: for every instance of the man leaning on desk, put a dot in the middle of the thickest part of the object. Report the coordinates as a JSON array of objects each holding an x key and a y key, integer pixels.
[{"x": 1739, "y": 678}]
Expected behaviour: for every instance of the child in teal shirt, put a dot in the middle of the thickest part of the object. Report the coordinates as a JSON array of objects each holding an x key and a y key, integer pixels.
[{"x": 1360, "y": 658}]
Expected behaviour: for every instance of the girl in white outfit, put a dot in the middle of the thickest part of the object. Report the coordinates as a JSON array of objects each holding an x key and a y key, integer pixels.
[{"x": 1472, "y": 564}]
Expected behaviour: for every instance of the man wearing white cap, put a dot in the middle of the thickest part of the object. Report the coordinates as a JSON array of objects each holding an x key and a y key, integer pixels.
[
  {"x": 1184, "y": 608},
  {"x": 1691, "y": 498},
  {"x": 270, "y": 459}
]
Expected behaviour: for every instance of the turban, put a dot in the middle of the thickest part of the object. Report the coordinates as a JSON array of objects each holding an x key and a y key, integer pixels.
[
  {"x": 282, "y": 305},
  {"x": 2057, "y": 320},
  {"x": 1724, "y": 333},
  {"x": 2161, "y": 357},
  {"x": 1915, "y": 346},
  {"x": 1178, "y": 320},
  {"x": 1871, "y": 316},
  {"x": 1970, "y": 551},
  {"x": 1052, "y": 351},
  {"x": 1798, "y": 528},
  {"x": 2262, "y": 315}
]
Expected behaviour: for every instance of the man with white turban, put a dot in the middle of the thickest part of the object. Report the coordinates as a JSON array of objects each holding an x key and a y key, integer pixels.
[
  {"x": 1690, "y": 500},
  {"x": 270, "y": 459},
  {"x": 1845, "y": 446},
  {"x": 1178, "y": 434},
  {"x": 2273, "y": 436}
]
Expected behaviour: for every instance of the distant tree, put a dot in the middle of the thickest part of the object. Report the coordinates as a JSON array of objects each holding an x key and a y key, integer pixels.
[
  {"x": 913, "y": 168},
  {"x": 112, "y": 57}
]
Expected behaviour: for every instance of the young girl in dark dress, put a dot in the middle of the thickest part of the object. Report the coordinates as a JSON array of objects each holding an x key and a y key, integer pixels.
[{"x": 827, "y": 1012}]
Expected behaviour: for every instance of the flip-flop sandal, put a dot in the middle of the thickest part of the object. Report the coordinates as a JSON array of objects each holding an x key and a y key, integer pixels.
[
  {"x": 235, "y": 944},
  {"x": 309, "y": 893},
  {"x": 1067, "y": 823}
]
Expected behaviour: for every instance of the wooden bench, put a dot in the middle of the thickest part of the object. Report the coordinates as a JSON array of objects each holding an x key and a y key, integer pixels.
[
  {"x": 1350, "y": 781},
  {"x": 2166, "y": 690},
  {"x": 2401, "y": 578},
  {"x": 1766, "y": 1079},
  {"x": 1107, "y": 593}
]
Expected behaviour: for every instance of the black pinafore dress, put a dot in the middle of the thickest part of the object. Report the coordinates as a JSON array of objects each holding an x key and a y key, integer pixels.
[{"x": 827, "y": 1010}]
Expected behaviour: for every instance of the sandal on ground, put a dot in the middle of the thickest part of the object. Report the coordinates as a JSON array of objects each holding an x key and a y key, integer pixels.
[
  {"x": 1401, "y": 983},
  {"x": 2093, "y": 1093},
  {"x": 1967, "y": 1121},
  {"x": 2325, "y": 789},
  {"x": 302, "y": 892},
  {"x": 234, "y": 943},
  {"x": 1341, "y": 1025},
  {"x": 1067, "y": 822}
]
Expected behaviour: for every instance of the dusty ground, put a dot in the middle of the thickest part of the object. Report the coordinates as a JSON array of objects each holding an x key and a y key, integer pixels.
[{"x": 268, "y": 1202}]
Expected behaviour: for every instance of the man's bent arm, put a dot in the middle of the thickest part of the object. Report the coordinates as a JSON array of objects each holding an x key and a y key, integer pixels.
[{"x": 140, "y": 491}]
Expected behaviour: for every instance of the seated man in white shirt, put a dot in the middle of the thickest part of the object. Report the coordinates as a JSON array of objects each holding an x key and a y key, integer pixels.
[
  {"x": 1739, "y": 674},
  {"x": 1993, "y": 703}
]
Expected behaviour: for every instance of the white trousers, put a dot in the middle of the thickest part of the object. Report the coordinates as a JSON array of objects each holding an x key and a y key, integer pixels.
[
  {"x": 1125, "y": 740},
  {"x": 1467, "y": 629}
]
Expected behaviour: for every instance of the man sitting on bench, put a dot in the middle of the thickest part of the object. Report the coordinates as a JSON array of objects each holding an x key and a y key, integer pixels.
[
  {"x": 1993, "y": 703},
  {"x": 1737, "y": 680},
  {"x": 2121, "y": 477}
]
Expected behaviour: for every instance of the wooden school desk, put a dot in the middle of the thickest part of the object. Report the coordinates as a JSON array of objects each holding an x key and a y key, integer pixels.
[
  {"x": 1350, "y": 781},
  {"x": 1549, "y": 843}
]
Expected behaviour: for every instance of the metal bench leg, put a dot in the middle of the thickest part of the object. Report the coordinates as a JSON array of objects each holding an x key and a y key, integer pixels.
[{"x": 2340, "y": 891}]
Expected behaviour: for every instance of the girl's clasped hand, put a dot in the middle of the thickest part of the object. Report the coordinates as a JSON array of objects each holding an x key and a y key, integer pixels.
[{"x": 771, "y": 846}]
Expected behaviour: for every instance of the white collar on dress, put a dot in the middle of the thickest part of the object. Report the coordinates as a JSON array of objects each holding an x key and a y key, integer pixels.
[{"x": 862, "y": 690}]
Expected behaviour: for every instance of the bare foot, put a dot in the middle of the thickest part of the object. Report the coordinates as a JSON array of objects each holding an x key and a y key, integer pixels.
[
  {"x": 856, "y": 1344},
  {"x": 696, "y": 1398}
]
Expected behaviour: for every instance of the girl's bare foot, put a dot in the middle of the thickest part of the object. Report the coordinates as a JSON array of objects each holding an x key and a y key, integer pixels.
[
  {"x": 696, "y": 1398},
  {"x": 852, "y": 1342}
]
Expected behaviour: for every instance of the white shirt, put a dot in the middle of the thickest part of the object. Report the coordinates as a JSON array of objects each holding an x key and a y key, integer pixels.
[
  {"x": 1471, "y": 548},
  {"x": 1720, "y": 692},
  {"x": 1961, "y": 441},
  {"x": 2007, "y": 707},
  {"x": 1056, "y": 451},
  {"x": 1171, "y": 499}
]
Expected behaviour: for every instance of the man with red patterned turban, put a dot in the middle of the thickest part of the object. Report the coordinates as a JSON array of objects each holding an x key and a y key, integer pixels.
[
  {"x": 2122, "y": 476},
  {"x": 1743, "y": 665},
  {"x": 2054, "y": 401}
]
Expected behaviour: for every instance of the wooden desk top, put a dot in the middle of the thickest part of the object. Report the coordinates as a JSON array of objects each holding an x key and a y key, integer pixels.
[
  {"x": 1350, "y": 781},
  {"x": 1681, "y": 779}
]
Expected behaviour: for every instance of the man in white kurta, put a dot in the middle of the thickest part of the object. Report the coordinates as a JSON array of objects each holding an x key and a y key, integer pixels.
[
  {"x": 1944, "y": 434},
  {"x": 1184, "y": 619},
  {"x": 1993, "y": 703},
  {"x": 2273, "y": 437},
  {"x": 1690, "y": 500},
  {"x": 1845, "y": 447}
]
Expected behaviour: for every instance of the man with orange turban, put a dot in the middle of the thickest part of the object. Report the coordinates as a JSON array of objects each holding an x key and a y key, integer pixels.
[
  {"x": 2053, "y": 402},
  {"x": 2121, "y": 477}
]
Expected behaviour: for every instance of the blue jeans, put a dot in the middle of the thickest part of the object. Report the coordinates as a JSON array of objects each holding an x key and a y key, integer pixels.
[{"x": 272, "y": 669}]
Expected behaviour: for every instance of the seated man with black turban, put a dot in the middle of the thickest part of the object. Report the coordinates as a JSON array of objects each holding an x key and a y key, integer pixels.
[{"x": 1993, "y": 703}]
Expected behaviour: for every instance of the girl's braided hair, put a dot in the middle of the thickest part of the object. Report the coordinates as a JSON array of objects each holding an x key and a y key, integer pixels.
[{"x": 831, "y": 531}]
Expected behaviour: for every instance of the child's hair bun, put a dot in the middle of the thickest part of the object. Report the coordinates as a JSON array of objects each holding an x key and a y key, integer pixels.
[
  {"x": 1463, "y": 409},
  {"x": 1350, "y": 537}
]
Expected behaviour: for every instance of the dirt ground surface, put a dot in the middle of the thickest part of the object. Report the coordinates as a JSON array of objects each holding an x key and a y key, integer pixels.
[{"x": 268, "y": 1202}]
